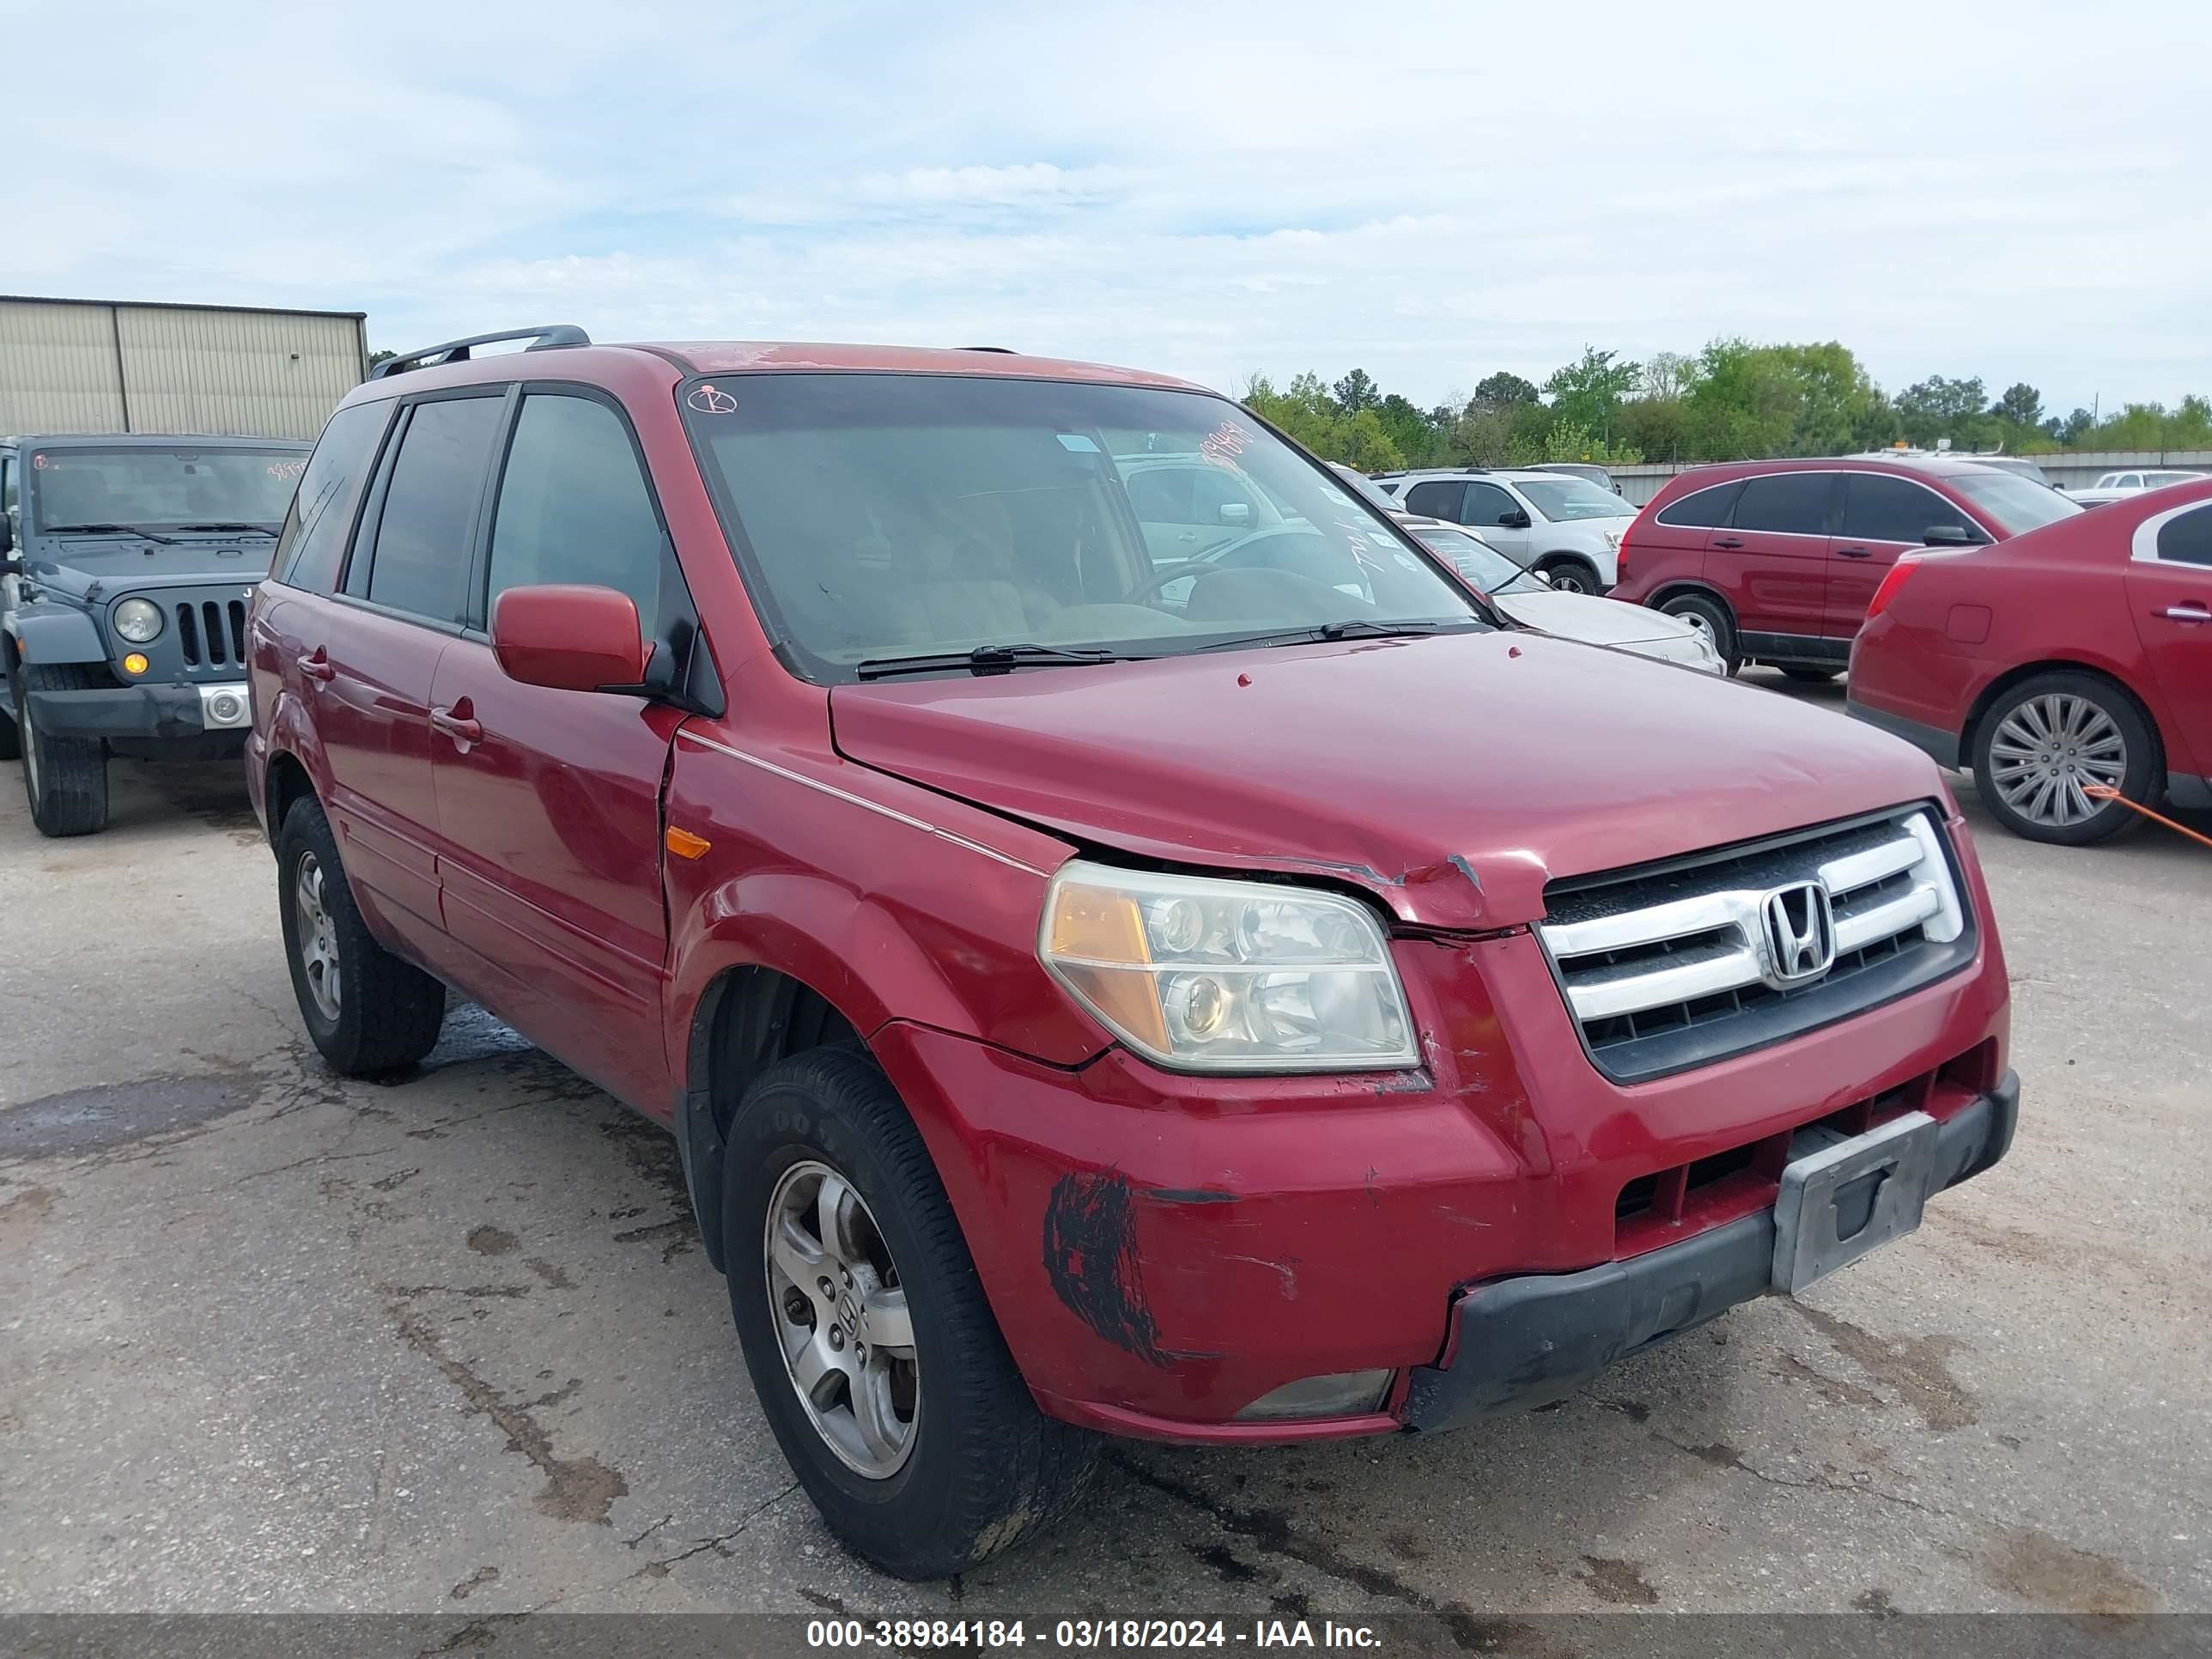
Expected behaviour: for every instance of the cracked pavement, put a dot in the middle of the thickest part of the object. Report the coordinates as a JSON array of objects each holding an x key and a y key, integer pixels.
[{"x": 270, "y": 1339}]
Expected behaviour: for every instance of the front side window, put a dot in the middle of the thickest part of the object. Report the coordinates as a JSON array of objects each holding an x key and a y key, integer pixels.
[
  {"x": 884, "y": 518},
  {"x": 1879, "y": 509},
  {"x": 2014, "y": 503},
  {"x": 1565, "y": 498},
  {"x": 161, "y": 488},
  {"x": 574, "y": 507},
  {"x": 420, "y": 560},
  {"x": 1787, "y": 503},
  {"x": 1488, "y": 505},
  {"x": 2186, "y": 538},
  {"x": 313, "y": 544}
]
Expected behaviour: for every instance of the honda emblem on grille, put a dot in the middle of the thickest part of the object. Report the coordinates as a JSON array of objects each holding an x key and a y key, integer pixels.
[{"x": 1800, "y": 925}]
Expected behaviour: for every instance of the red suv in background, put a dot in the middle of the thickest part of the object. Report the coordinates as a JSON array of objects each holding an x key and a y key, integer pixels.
[
  {"x": 2078, "y": 654},
  {"x": 1778, "y": 559},
  {"x": 1091, "y": 989}
]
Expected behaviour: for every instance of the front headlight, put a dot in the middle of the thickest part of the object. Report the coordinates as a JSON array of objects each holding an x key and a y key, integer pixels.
[
  {"x": 137, "y": 620},
  {"x": 1227, "y": 975}
]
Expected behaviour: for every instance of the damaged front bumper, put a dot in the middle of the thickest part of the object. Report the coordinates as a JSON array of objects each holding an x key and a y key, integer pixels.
[{"x": 1528, "y": 1341}]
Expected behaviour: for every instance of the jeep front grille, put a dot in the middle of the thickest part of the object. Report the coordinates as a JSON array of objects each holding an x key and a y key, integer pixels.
[
  {"x": 212, "y": 632},
  {"x": 1669, "y": 966}
]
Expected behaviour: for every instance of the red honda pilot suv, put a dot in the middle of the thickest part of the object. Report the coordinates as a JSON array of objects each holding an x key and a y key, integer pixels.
[
  {"x": 1245, "y": 997},
  {"x": 1778, "y": 561}
]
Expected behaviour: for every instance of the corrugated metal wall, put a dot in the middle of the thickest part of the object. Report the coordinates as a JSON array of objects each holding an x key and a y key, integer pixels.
[{"x": 76, "y": 367}]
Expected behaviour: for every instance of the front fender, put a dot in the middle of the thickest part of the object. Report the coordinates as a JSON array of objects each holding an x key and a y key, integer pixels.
[{"x": 56, "y": 633}]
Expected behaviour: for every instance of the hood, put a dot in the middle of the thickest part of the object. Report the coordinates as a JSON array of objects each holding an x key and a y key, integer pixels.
[
  {"x": 1593, "y": 621},
  {"x": 70, "y": 563},
  {"x": 1452, "y": 775}
]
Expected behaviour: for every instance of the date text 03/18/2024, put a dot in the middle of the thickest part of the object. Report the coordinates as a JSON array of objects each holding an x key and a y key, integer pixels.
[{"x": 1083, "y": 1634}]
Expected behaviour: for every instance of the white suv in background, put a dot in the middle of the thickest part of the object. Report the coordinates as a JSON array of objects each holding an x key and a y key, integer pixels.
[
  {"x": 1553, "y": 522},
  {"x": 2132, "y": 481}
]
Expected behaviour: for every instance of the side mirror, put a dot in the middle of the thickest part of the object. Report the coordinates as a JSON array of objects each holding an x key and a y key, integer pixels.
[
  {"x": 1514, "y": 519},
  {"x": 569, "y": 638},
  {"x": 1543, "y": 576},
  {"x": 1949, "y": 535},
  {"x": 1236, "y": 512}
]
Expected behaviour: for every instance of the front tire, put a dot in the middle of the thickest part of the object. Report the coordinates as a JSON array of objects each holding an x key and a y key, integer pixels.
[
  {"x": 366, "y": 1011},
  {"x": 2048, "y": 738},
  {"x": 1571, "y": 575},
  {"x": 64, "y": 779},
  {"x": 1710, "y": 617},
  {"x": 864, "y": 1325}
]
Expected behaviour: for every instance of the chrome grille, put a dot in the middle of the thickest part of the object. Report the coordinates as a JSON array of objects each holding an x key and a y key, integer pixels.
[{"x": 1671, "y": 966}]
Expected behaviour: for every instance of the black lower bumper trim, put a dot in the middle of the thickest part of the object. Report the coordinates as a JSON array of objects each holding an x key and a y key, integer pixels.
[
  {"x": 1939, "y": 745},
  {"x": 1525, "y": 1342},
  {"x": 121, "y": 711}
]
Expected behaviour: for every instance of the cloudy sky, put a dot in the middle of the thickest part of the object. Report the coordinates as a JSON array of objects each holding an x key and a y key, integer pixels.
[{"x": 1428, "y": 192}]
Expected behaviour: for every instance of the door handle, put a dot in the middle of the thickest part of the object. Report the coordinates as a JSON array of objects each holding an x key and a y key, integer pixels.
[
  {"x": 1855, "y": 552},
  {"x": 456, "y": 724},
  {"x": 2187, "y": 613},
  {"x": 316, "y": 665},
  {"x": 1727, "y": 541}
]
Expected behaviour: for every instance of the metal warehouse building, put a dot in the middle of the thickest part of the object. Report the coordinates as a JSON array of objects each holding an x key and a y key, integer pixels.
[{"x": 103, "y": 366}]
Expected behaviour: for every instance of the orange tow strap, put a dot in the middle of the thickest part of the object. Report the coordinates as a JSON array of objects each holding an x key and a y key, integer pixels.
[{"x": 2105, "y": 791}]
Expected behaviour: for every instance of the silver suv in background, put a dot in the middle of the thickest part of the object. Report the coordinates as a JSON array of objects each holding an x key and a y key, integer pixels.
[{"x": 1556, "y": 523}]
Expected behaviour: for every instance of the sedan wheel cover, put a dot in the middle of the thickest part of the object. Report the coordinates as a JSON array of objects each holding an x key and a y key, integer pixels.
[
  {"x": 2046, "y": 752},
  {"x": 840, "y": 1319},
  {"x": 319, "y": 944}
]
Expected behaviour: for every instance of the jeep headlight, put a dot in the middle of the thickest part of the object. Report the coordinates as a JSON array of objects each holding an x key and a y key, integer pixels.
[
  {"x": 1211, "y": 976},
  {"x": 138, "y": 621}
]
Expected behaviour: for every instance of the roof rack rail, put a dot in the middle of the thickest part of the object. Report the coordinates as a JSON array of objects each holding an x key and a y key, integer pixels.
[
  {"x": 548, "y": 338},
  {"x": 1009, "y": 350}
]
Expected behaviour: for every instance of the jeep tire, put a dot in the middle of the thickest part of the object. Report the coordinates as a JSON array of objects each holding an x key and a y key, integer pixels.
[
  {"x": 64, "y": 779},
  {"x": 366, "y": 1011}
]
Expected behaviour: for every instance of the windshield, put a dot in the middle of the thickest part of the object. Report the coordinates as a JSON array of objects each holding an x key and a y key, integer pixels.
[
  {"x": 2013, "y": 501},
  {"x": 1482, "y": 565},
  {"x": 163, "y": 487},
  {"x": 1566, "y": 498},
  {"x": 888, "y": 516},
  {"x": 1362, "y": 485}
]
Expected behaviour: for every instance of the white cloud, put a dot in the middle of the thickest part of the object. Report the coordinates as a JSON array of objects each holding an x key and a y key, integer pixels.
[{"x": 1206, "y": 189}]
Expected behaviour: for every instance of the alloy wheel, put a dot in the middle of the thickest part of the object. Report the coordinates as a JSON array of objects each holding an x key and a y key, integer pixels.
[
  {"x": 2047, "y": 750},
  {"x": 841, "y": 1320},
  {"x": 318, "y": 944}
]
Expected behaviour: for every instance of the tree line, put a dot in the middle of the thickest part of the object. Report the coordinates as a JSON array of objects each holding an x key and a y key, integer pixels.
[{"x": 1732, "y": 401}]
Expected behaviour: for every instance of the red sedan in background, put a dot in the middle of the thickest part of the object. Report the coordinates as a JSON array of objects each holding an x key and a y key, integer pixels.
[{"x": 2075, "y": 655}]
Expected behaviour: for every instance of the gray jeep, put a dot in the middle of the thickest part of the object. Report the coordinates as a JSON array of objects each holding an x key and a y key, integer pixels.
[{"x": 125, "y": 567}]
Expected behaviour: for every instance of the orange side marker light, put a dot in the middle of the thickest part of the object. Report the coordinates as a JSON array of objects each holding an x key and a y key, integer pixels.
[{"x": 684, "y": 844}]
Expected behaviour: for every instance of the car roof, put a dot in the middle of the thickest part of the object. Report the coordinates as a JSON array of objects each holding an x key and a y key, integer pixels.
[
  {"x": 1716, "y": 472},
  {"x": 151, "y": 439}
]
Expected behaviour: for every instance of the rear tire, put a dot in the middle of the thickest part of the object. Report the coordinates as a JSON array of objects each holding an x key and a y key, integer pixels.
[
  {"x": 367, "y": 1011},
  {"x": 1571, "y": 575},
  {"x": 2048, "y": 736},
  {"x": 974, "y": 1468},
  {"x": 64, "y": 779},
  {"x": 1710, "y": 617},
  {"x": 1805, "y": 674}
]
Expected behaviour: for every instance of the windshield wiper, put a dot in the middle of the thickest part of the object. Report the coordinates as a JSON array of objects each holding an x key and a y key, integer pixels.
[
  {"x": 257, "y": 529},
  {"x": 108, "y": 529},
  {"x": 994, "y": 659},
  {"x": 1348, "y": 629}
]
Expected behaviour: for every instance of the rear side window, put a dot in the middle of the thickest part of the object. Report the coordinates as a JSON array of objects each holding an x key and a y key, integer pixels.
[
  {"x": 1437, "y": 498},
  {"x": 313, "y": 544},
  {"x": 2187, "y": 539},
  {"x": 1877, "y": 509},
  {"x": 1790, "y": 503},
  {"x": 1701, "y": 509},
  {"x": 574, "y": 507},
  {"x": 420, "y": 561}
]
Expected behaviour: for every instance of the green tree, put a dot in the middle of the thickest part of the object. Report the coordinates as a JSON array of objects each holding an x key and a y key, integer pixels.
[
  {"x": 1499, "y": 389},
  {"x": 1419, "y": 437},
  {"x": 2021, "y": 405},
  {"x": 1935, "y": 409},
  {"x": 1586, "y": 392},
  {"x": 1357, "y": 390}
]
